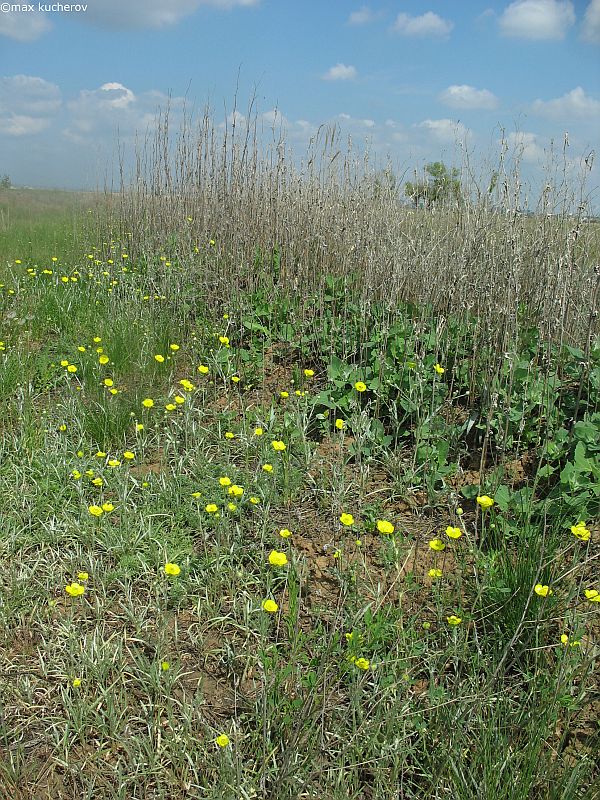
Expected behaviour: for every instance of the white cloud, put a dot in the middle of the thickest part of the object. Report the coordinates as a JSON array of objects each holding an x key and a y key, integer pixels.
[
  {"x": 27, "y": 104},
  {"x": 428, "y": 24},
  {"x": 464, "y": 96},
  {"x": 355, "y": 122},
  {"x": 24, "y": 26},
  {"x": 575, "y": 103},
  {"x": 362, "y": 16},
  {"x": 537, "y": 19},
  {"x": 527, "y": 145},
  {"x": 132, "y": 14},
  {"x": 445, "y": 131},
  {"x": 590, "y": 27},
  {"x": 22, "y": 125},
  {"x": 340, "y": 72}
]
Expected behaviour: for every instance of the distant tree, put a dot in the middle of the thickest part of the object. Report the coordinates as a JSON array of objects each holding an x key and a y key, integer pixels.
[
  {"x": 5, "y": 182},
  {"x": 440, "y": 186}
]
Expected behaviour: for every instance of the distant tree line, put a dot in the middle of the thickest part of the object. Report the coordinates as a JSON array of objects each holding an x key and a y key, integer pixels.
[
  {"x": 5, "y": 182},
  {"x": 439, "y": 185}
]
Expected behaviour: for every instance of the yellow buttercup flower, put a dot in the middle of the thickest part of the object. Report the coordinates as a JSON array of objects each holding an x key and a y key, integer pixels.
[
  {"x": 435, "y": 573},
  {"x": 74, "y": 589},
  {"x": 211, "y": 508},
  {"x": 362, "y": 663},
  {"x": 223, "y": 740},
  {"x": 278, "y": 445},
  {"x": 454, "y": 620},
  {"x": 258, "y": 431},
  {"x": 174, "y": 347},
  {"x": 107, "y": 507},
  {"x": 485, "y": 501},
  {"x": 270, "y": 606},
  {"x": 437, "y": 545},
  {"x": 82, "y": 576},
  {"x": 285, "y": 533},
  {"x": 148, "y": 402},
  {"x": 277, "y": 559},
  {"x": 76, "y": 682},
  {"x": 542, "y": 590},
  {"x": 267, "y": 467},
  {"x": 203, "y": 369},
  {"x": 383, "y": 526},
  {"x": 103, "y": 360},
  {"x": 440, "y": 370},
  {"x": 347, "y": 519},
  {"x": 593, "y": 595},
  {"x": 172, "y": 569},
  {"x": 580, "y": 531},
  {"x": 128, "y": 455},
  {"x": 255, "y": 500},
  {"x": 453, "y": 533},
  {"x": 339, "y": 424},
  {"x": 360, "y": 386},
  {"x": 159, "y": 358},
  {"x": 95, "y": 511},
  {"x": 225, "y": 481},
  {"x": 235, "y": 490},
  {"x": 229, "y": 435},
  {"x": 224, "y": 340}
]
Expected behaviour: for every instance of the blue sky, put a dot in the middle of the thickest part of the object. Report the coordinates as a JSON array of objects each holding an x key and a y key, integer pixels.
[{"x": 411, "y": 78}]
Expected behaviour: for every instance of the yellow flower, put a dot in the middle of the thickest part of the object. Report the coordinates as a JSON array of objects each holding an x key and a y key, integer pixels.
[
  {"x": 255, "y": 500},
  {"x": 170, "y": 407},
  {"x": 139, "y": 427},
  {"x": 580, "y": 531},
  {"x": 114, "y": 462},
  {"x": 225, "y": 481},
  {"x": 435, "y": 573},
  {"x": 362, "y": 663},
  {"x": 174, "y": 347},
  {"x": 278, "y": 445},
  {"x": 98, "y": 482},
  {"x": 235, "y": 490},
  {"x": 270, "y": 606},
  {"x": 485, "y": 502},
  {"x": 235, "y": 379},
  {"x": 284, "y": 394},
  {"x": 258, "y": 431},
  {"x": 347, "y": 519},
  {"x": 267, "y": 467},
  {"x": 100, "y": 454},
  {"x": 82, "y": 576},
  {"x": 62, "y": 427},
  {"x": 383, "y": 526},
  {"x": 231, "y": 506},
  {"x": 437, "y": 545},
  {"x": 128, "y": 455},
  {"x": 188, "y": 386},
  {"x": 224, "y": 340},
  {"x": 96, "y": 511},
  {"x": 76, "y": 682},
  {"x": 172, "y": 569},
  {"x": 196, "y": 494},
  {"x": 229, "y": 435},
  {"x": 64, "y": 363},
  {"x": 440, "y": 370},
  {"x": 277, "y": 559},
  {"x": 103, "y": 360},
  {"x": 74, "y": 589},
  {"x": 542, "y": 591},
  {"x": 179, "y": 399},
  {"x": 76, "y": 474},
  {"x": 453, "y": 533},
  {"x": 159, "y": 358},
  {"x": 107, "y": 507},
  {"x": 71, "y": 368},
  {"x": 454, "y": 620},
  {"x": 148, "y": 402},
  {"x": 593, "y": 595},
  {"x": 222, "y": 740},
  {"x": 165, "y": 666},
  {"x": 211, "y": 508},
  {"x": 339, "y": 424},
  {"x": 360, "y": 386},
  {"x": 203, "y": 369},
  {"x": 309, "y": 373},
  {"x": 108, "y": 382},
  {"x": 285, "y": 533}
]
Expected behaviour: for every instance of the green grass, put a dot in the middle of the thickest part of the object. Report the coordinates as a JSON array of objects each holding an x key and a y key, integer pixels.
[{"x": 122, "y": 691}]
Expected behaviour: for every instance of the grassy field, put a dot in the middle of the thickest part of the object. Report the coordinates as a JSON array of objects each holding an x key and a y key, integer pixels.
[{"x": 278, "y": 527}]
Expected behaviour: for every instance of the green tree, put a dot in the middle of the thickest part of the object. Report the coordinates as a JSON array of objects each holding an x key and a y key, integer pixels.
[
  {"x": 5, "y": 182},
  {"x": 440, "y": 186}
]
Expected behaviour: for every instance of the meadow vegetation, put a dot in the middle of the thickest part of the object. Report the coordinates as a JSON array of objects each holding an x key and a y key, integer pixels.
[{"x": 301, "y": 484}]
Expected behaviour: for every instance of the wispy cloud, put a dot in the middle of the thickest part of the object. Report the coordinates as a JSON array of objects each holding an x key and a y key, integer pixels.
[
  {"x": 537, "y": 19},
  {"x": 363, "y": 16},
  {"x": 575, "y": 103},
  {"x": 428, "y": 24},
  {"x": 468, "y": 97},
  {"x": 590, "y": 27},
  {"x": 340, "y": 72},
  {"x": 24, "y": 27}
]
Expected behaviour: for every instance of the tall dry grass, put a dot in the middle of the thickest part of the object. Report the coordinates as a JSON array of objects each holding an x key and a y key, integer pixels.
[{"x": 334, "y": 213}]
